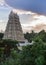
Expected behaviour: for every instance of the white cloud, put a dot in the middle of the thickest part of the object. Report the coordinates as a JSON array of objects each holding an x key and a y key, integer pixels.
[
  {"x": 3, "y": 24},
  {"x": 2, "y": 2},
  {"x": 28, "y": 19},
  {"x": 32, "y": 21},
  {"x": 22, "y": 12}
]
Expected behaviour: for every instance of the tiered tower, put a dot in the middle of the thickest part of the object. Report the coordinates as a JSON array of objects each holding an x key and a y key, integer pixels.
[{"x": 13, "y": 30}]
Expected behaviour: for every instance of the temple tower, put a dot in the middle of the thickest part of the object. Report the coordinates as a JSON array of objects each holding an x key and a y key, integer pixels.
[{"x": 13, "y": 29}]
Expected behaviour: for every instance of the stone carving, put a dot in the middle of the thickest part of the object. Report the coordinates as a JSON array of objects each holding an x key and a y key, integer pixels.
[{"x": 13, "y": 29}]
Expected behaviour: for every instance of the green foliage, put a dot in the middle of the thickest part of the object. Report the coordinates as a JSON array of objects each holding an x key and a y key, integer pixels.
[
  {"x": 6, "y": 46},
  {"x": 33, "y": 55},
  {"x": 8, "y": 42},
  {"x": 30, "y": 36},
  {"x": 33, "y": 36},
  {"x": 41, "y": 35},
  {"x": 29, "y": 55},
  {"x": 1, "y": 35},
  {"x": 39, "y": 60}
]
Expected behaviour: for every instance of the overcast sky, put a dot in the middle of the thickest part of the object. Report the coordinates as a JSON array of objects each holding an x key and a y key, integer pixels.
[{"x": 34, "y": 19}]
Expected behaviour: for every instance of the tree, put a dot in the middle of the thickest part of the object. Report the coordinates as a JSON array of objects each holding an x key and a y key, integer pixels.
[
  {"x": 30, "y": 36},
  {"x": 33, "y": 55},
  {"x": 1, "y": 35},
  {"x": 8, "y": 45}
]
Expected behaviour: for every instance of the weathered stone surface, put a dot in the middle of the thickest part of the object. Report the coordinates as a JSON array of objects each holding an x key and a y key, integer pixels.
[{"x": 13, "y": 30}]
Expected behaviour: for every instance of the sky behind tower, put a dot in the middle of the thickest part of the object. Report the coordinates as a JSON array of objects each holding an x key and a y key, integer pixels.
[{"x": 30, "y": 20}]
